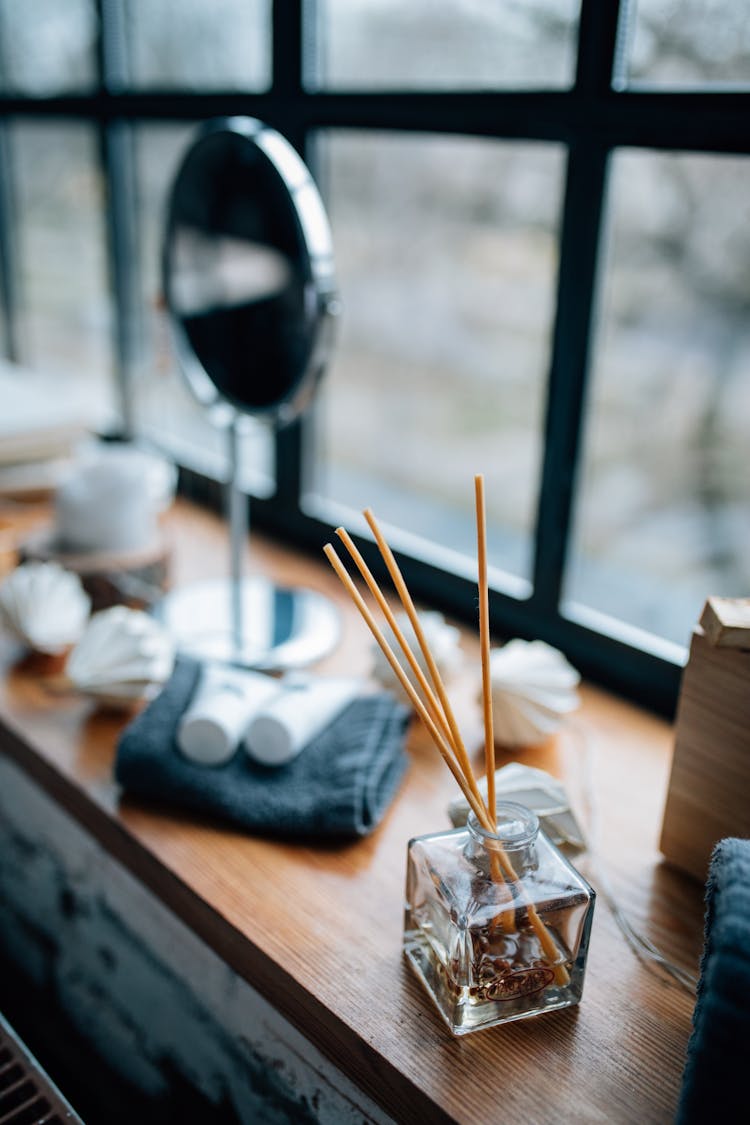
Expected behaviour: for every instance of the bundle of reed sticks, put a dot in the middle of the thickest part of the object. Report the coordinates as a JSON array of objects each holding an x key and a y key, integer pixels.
[{"x": 434, "y": 707}]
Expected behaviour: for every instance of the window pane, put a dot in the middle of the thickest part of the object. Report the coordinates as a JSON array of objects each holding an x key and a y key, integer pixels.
[
  {"x": 47, "y": 47},
  {"x": 165, "y": 410},
  {"x": 456, "y": 43},
  {"x": 192, "y": 44},
  {"x": 65, "y": 307},
  {"x": 689, "y": 42},
  {"x": 664, "y": 517},
  {"x": 447, "y": 254}
]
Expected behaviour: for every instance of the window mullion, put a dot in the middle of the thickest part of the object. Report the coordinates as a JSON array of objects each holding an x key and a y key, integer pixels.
[
  {"x": 8, "y": 251},
  {"x": 597, "y": 46},
  {"x": 287, "y": 82},
  {"x": 579, "y": 249},
  {"x": 287, "y": 48},
  {"x": 8, "y": 226},
  {"x": 116, "y": 146},
  {"x": 117, "y": 165},
  {"x": 576, "y": 289}
]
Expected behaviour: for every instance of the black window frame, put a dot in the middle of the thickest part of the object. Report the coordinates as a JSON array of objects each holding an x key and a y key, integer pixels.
[{"x": 598, "y": 115}]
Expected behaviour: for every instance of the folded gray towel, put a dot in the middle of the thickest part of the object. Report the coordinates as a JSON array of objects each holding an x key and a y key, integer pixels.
[
  {"x": 340, "y": 785},
  {"x": 714, "y": 1083}
]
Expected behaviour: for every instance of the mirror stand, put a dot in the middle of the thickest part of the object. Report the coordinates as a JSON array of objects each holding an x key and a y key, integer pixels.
[
  {"x": 249, "y": 621},
  {"x": 249, "y": 284},
  {"x": 238, "y": 514}
]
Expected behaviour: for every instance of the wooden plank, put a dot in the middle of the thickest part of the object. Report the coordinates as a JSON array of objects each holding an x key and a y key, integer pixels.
[
  {"x": 726, "y": 622},
  {"x": 317, "y": 930},
  {"x": 709, "y": 788}
]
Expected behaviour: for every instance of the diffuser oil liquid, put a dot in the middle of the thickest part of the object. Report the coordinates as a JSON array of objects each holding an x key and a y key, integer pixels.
[{"x": 490, "y": 948}]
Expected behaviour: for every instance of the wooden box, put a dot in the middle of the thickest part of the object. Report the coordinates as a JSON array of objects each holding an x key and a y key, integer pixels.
[{"x": 709, "y": 788}]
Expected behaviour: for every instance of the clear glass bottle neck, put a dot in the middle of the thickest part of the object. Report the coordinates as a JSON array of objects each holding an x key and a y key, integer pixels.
[{"x": 516, "y": 834}]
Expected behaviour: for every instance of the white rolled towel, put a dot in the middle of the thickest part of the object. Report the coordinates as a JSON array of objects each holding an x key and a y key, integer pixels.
[
  {"x": 287, "y": 723},
  {"x": 111, "y": 498},
  {"x": 225, "y": 702}
]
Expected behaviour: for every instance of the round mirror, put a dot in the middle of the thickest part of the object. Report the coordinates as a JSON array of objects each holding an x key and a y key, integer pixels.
[
  {"x": 248, "y": 271},
  {"x": 249, "y": 284}
]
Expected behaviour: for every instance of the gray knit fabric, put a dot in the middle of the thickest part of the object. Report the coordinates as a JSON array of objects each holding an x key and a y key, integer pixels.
[
  {"x": 340, "y": 785},
  {"x": 715, "y": 1079}
]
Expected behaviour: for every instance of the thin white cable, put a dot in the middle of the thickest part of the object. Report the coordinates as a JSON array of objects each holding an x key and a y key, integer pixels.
[{"x": 642, "y": 946}]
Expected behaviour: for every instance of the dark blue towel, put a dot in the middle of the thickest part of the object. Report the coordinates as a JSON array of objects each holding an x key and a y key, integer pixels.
[
  {"x": 340, "y": 785},
  {"x": 716, "y": 1072}
]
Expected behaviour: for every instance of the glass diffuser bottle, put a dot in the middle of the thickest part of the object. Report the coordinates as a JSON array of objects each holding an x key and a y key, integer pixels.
[
  {"x": 497, "y": 921},
  {"x": 496, "y": 924}
]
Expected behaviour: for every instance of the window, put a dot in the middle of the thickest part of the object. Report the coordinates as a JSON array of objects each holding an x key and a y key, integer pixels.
[{"x": 540, "y": 216}]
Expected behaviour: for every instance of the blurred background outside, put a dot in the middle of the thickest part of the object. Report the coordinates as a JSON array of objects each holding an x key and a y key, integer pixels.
[{"x": 447, "y": 253}]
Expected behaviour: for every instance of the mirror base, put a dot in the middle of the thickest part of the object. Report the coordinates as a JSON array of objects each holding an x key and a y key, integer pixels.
[{"x": 280, "y": 628}]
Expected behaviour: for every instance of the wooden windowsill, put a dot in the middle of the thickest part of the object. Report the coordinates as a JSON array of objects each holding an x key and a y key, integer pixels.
[{"x": 317, "y": 930}]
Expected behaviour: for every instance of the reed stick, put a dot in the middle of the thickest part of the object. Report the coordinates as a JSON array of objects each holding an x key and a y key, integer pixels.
[
  {"x": 484, "y": 640},
  {"x": 411, "y": 612},
  {"x": 443, "y": 746},
  {"x": 467, "y": 784},
  {"x": 431, "y": 702},
  {"x": 429, "y": 695},
  {"x": 463, "y": 775}
]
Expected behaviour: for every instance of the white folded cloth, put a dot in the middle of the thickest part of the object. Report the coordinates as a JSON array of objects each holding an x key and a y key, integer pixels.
[{"x": 538, "y": 791}]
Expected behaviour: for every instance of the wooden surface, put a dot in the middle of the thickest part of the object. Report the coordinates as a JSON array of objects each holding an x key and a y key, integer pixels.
[
  {"x": 136, "y": 578},
  {"x": 317, "y": 930},
  {"x": 709, "y": 788}
]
